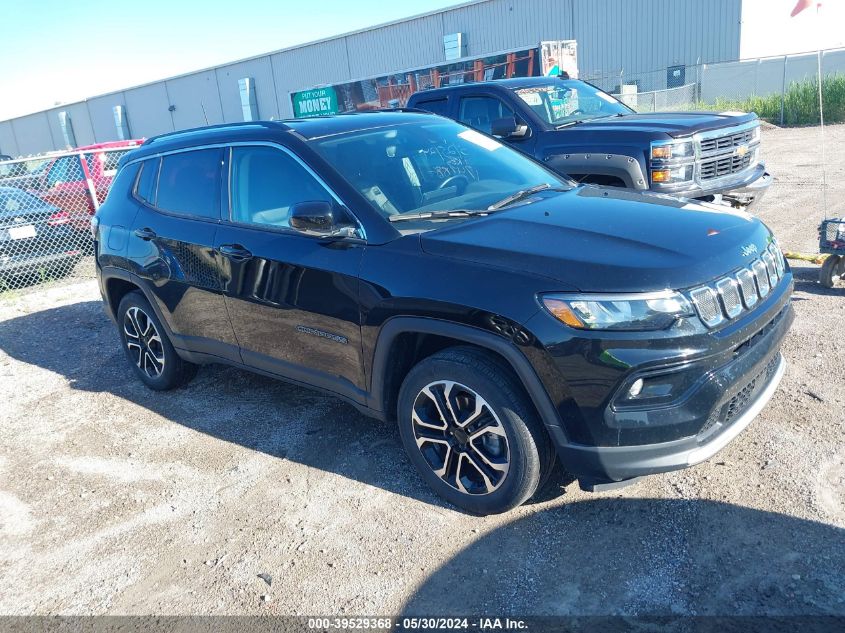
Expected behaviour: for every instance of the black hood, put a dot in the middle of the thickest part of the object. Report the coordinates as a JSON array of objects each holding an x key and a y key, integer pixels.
[
  {"x": 671, "y": 123},
  {"x": 607, "y": 240}
]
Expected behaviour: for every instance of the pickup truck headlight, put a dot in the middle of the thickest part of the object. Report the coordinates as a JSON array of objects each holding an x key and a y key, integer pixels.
[
  {"x": 671, "y": 175},
  {"x": 671, "y": 162},
  {"x": 671, "y": 150},
  {"x": 643, "y": 312}
]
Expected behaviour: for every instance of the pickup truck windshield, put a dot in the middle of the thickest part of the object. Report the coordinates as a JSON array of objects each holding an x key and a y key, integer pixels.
[
  {"x": 414, "y": 168},
  {"x": 561, "y": 102}
]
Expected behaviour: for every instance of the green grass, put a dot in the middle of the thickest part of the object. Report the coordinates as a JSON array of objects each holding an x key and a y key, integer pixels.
[{"x": 800, "y": 103}]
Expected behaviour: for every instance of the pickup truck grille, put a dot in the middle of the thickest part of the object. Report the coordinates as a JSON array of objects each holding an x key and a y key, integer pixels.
[
  {"x": 730, "y": 153},
  {"x": 724, "y": 142},
  {"x": 725, "y": 166}
]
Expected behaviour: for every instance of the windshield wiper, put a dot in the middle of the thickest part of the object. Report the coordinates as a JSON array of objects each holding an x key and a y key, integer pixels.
[
  {"x": 520, "y": 195},
  {"x": 569, "y": 123},
  {"x": 437, "y": 215},
  {"x": 592, "y": 118}
]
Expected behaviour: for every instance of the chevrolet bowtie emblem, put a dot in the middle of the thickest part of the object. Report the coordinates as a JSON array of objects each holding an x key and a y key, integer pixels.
[{"x": 742, "y": 150}]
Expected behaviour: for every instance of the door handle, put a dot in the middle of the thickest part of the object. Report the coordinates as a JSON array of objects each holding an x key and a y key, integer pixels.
[
  {"x": 234, "y": 251},
  {"x": 145, "y": 234}
]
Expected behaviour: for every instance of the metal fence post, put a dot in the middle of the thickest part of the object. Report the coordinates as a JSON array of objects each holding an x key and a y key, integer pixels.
[
  {"x": 89, "y": 181},
  {"x": 783, "y": 89}
]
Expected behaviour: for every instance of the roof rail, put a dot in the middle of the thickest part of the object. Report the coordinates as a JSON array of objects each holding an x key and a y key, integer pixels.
[{"x": 220, "y": 126}]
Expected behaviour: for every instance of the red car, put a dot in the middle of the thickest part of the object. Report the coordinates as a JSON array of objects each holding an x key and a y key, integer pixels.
[{"x": 66, "y": 181}]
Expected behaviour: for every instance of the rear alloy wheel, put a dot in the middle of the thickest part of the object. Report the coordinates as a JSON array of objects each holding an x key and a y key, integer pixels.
[
  {"x": 147, "y": 347},
  {"x": 471, "y": 431},
  {"x": 143, "y": 342}
]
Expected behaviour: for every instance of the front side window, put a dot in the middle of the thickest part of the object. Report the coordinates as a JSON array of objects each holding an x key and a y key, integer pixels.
[
  {"x": 266, "y": 183},
  {"x": 189, "y": 183},
  {"x": 64, "y": 170},
  {"x": 561, "y": 102},
  {"x": 436, "y": 165},
  {"x": 480, "y": 112}
]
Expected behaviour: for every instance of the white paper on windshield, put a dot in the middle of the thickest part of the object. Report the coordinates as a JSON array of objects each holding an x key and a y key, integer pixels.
[
  {"x": 531, "y": 98},
  {"x": 731, "y": 113},
  {"x": 479, "y": 139},
  {"x": 606, "y": 97}
]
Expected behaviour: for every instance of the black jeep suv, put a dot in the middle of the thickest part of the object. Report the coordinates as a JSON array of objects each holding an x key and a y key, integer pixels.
[
  {"x": 428, "y": 274},
  {"x": 579, "y": 130}
]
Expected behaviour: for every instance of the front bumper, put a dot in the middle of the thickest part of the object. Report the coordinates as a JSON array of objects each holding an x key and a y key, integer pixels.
[
  {"x": 744, "y": 191},
  {"x": 618, "y": 463},
  {"x": 733, "y": 373}
]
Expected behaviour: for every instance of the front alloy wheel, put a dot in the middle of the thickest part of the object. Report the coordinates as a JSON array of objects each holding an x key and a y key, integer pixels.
[
  {"x": 470, "y": 429},
  {"x": 460, "y": 437},
  {"x": 144, "y": 342}
]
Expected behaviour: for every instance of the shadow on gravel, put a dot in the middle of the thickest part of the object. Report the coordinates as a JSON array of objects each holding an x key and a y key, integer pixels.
[
  {"x": 612, "y": 556},
  {"x": 80, "y": 343},
  {"x": 807, "y": 280}
]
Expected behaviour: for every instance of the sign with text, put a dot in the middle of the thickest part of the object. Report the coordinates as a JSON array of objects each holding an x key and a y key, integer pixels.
[{"x": 317, "y": 102}]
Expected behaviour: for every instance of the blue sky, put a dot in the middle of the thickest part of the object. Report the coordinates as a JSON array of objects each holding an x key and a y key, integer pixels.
[{"x": 59, "y": 51}]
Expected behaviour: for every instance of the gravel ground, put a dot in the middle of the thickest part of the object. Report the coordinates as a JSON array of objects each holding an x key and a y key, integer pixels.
[{"x": 118, "y": 500}]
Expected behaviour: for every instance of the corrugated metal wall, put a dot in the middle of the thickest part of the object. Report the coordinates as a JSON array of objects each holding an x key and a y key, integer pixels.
[{"x": 627, "y": 37}]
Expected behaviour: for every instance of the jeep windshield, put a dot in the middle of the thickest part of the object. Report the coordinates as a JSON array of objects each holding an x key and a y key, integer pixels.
[
  {"x": 564, "y": 102},
  {"x": 435, "y": 171}
]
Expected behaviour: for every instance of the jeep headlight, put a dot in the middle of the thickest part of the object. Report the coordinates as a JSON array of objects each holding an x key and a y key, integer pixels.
[{"x": 641, "y": 311}]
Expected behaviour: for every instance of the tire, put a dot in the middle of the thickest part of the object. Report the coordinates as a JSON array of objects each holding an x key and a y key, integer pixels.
[
  {"x": 487, "y": 452},
  {"x": 829, "y": 273},
  {"x": 145, "y": 343}
]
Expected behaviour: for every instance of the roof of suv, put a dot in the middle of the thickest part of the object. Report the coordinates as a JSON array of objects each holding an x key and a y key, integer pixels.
[{"x": 268, "y": 130}]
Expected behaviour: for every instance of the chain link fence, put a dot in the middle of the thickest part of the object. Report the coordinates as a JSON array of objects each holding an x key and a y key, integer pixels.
[
  {"x": 782, "y": 90},
  {"x": 46, "y": 205}
]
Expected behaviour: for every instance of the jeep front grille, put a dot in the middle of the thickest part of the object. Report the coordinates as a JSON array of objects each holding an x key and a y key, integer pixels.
[{"x": 729, "y": 296}]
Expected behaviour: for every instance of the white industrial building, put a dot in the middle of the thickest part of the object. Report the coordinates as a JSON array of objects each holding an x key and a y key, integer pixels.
[{"x": 653, "y": 44}]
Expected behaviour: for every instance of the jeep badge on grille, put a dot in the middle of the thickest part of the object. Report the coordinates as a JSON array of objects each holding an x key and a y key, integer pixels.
[{"x": 749, "y": 249}]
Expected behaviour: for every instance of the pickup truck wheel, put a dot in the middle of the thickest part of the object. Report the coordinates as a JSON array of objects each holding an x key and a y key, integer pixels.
[
  {"x": 471, "y": 431},
  {"x": 830, "y": 271},
  {"x": 147, "y": 347}
]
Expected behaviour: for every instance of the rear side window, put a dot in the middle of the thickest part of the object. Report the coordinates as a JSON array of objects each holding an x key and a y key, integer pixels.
[
  {"x": 435, "y": 106},
  {"x": 480, "y": 112},
  {"x": 266, "y": 183},
  {"x": 189, "y": 183},
  {"x": 145, "y": 189}
]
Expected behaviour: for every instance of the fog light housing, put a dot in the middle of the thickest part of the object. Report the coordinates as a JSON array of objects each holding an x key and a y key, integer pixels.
[{"x": 657, "y": 389}]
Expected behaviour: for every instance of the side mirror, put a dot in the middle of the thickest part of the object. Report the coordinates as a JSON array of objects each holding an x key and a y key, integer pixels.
[
  {"x": 320, "y": 218},
  {"x": 508, "y": 127}
]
